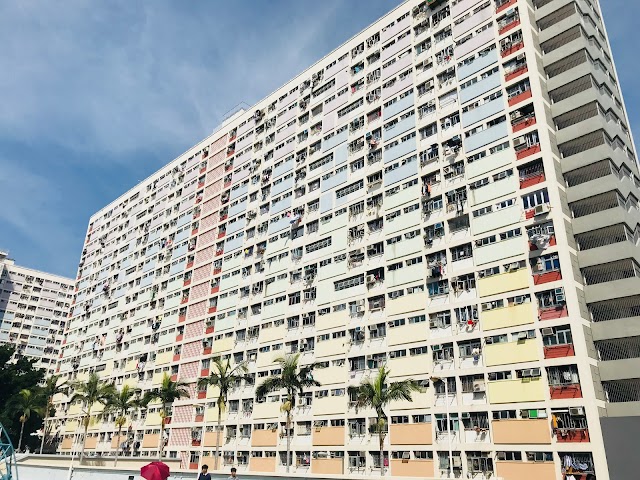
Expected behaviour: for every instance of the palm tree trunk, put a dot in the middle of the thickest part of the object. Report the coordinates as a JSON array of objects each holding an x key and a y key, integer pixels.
[
  {"x": 288, "y": 439},
  {"x": 115, "y": 462},
  {"x": 84, "y": 440},
  {"x": 164, "y": 414},
  {"x": 215, "y": 460},
  {"x": 84, "y": 437},
  {"x": 21, "y": 432},
  {"x": 381, "y": 438},
  {"x": 161, "y": 444},
  {"x": 44, "y": 427}
]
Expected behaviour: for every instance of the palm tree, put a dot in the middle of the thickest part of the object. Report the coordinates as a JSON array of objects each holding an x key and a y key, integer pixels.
[
  {"x": 224, "y": 378},
  {"x": 27, "y": 403},
  {"x": 51, "y": 388},
  {"x": 168, "y": 392},
  {"x": 293, "y": 379},
  {"x": 377, "y": 394},
  {"x": 89, "y": 393},
  {"x": 122, "y": 403}
]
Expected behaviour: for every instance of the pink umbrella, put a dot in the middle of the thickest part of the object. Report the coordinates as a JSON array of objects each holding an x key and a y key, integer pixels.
[{"x": 155, "y": 471}]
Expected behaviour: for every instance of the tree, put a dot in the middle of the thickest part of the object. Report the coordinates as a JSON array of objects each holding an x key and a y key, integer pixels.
[
  {"x": 378, "y": 393},
  {"x": 121, "y": 403},
  {"x": 168, "y": 392},
  {"x": 224, "y": 378},
  {"x": 294, "y": 379},
  {"x": 89, "y": 393},
  {"x": 52, "y": 387},
  {"x": 27, "y": 403},
  {"x": 16, "y": 374}
]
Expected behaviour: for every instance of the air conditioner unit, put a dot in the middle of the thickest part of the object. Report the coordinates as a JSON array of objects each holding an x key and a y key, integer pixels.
[
  {"x": 519, "y": 142},
  {"x": 406, "y": 455},
  {"x": 524, "y": 413},
  {"x": 526, "y": 373},
  {"x": 302, "y": 402},
  {"x": 541, "y": 209},
  {"x": 522, "y": 335},
  {"x": 479, "y": 386},
  {"x": 576, "y": 411},
  {"x": 520, "y": 57},
  {"x": 536, "y": 372},
  {"x": 371, "y": 279},
  {"x": 501, "y": 455},
  {"x": 547, "y": 331},
  {"x": 457, "y": 462},
  {"x": 559, "y": 294},
  {"x": 513, "y": 267}
]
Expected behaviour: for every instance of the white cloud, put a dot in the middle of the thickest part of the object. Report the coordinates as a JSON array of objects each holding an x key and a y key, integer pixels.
[{"x": 86, "y": 81}]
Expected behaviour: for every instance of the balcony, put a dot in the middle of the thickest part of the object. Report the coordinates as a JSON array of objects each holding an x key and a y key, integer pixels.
[
  {"x": 559, "y": 351},
  {"x": 508, "y": 25},
  {"x": 511, "y": 49}
]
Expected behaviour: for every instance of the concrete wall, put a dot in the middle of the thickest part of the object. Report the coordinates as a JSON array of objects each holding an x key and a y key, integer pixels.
[{"x": 620, "y": 437}]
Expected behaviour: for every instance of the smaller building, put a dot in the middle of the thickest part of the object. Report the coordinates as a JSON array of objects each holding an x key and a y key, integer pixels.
[{"x": 33, "y": 310}]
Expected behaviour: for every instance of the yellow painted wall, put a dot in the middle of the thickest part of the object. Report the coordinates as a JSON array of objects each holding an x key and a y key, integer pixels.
[
  {"x": 337, "y": 346},
  {"x": 526, "y": 470},
  {"x": 517, "y": 390},
  {"x": 405, "y": 304},
  {"x": 419, "y": 400},
  {"x": 212, "y": 392},
  {"x": 508, "y": 316},
  {"x": 331, "y": 375},
  {"x": 274, "y": 333},
  {"x": 131, "y": 382},
  {"x": 262, "y": 464},
  {"x": 412, "y": 468},
  {"x": 153, "y": 419},
  {"x": 130, "y": 366},
  {"x": 329, "y": 405},
  {"x": 527, "y": 431},
  {"x": 405, "y": 366},
  {"x": 211, "y": 415},
  {"x": 411, "y": 434},
  {"x": 266, "y": 358},
  {"x": 511, "y": 352},
  {"x": 71, "y": 426},
  {"x": 74, "y": 409},
  {"x": 164, "y": 357},
  {"x": 328, "y": 436},
  {"x": 327, "y": 466},
  {"x": 415, "y": 332},
  {"x": 264, "y": 438},
  {"x": 222, "y": 345},
  {"x": 505, "y": 282},
  {"x": 156, "y": 381},
  {"x": 266, "y": 410},
  {"x": 331, "y": 320}
]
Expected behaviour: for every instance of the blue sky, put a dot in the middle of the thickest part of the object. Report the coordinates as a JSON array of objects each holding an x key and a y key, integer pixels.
[{"x": 98, "y": 95}]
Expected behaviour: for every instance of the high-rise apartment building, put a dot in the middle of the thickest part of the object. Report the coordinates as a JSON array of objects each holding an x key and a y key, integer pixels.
[
  {"x": 452, "y": 193},
  {"x": 33, "y": 311}
]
